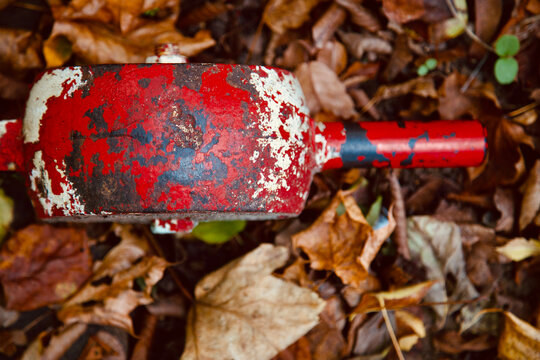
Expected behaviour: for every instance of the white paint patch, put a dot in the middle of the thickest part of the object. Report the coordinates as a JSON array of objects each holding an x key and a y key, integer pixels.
[
  {"x": 323, "y": 152},
  {"x": 3, "y": 127},
  {"x": 68, "y": 201},
  {"x": 51, "y": 84},
  {"x": 277, "y": 92}
]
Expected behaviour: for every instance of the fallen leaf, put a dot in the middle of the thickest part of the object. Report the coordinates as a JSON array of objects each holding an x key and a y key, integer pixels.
[
  {"x": 19, "y": 51},
  {"x": 344, "y": 243},
  {"x": 519, "y": 339},
  {"x": 486, "y": 22},
  {"x": 206, "y": 11},
  {"x": 295, "y": 54},
  {"x": 401, "y": 57},
  {"x": 217, "y": 232},
  {"x": 504, "y": 202},
  {"x": 97, "y": 44},
  {"x": 323, "y": 89},
  {"x": 109, "y": 297},
  {"x": 531, "y": 197},
  {"x": 394, "y": 299},
  {"x": 13, "y": 89},
  {"x": 437, "y": 245},
  {"x": 359, "y": 44},
  {"x": 10, "y": 340},
  {"x": 421, "y": 86},
  {"x": 520, "y": 248},
  {"x": 326, "y": 26},
  {"x": 371, "y": 336},
  {"x": 243, "y": 312},
  {"x": 402, "y": 11},
  {"x": 452, "y": 342},
  {"x": 426, "y": 197},
  {"x": 360, "y": 15},
  {"x": 62, "y": 340},
  {"x": 281, "y": 15},
  {"x": 297, "y": 351},
  {"x": 104, "y": 346},
  {"x": 334, "y": 55},
  {"x": 125, "y": 16},
  {"x": 326, "y": 339},
  {"x": 43, "y": 265}
]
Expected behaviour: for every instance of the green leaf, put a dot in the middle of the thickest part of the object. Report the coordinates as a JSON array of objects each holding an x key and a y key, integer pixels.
[
  {"x": 506, "y": 70},
  {"x": 151, "y": 13},
  {"x": 422, "y": 70},
  {"x": 218, "y": 232},
  {"x": 507, "y": 45},
  {"x": 374, "y": 211},
  {"x": 431, "y": 63}
]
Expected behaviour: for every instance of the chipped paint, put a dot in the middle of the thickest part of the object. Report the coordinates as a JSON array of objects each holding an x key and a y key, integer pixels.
[
  {"x": 67, "y": 200},
  {"x": 51, "y": 84},
  {"x": 11, "y": 146}
]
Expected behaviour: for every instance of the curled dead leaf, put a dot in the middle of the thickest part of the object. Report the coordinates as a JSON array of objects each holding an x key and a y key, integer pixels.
[
  {"x": 243, "y": 312},
  {"x": 110, "y": 295},
  {"x": 323, "y": 89},
  {"x": 520, "y": 248},
  {"x": 42, "y": 265},
  {"x": 360, "y": 15},
  {"x": 334, "y": 55},
  {"x": 346, "y": 243},
  {"x": 326, "y": 26},
  {"x": 19, "y": 50},
  {"x": 519, "y": 339},
  {"x": 359, "y": 44},
  {"x": 281, "y": 15},
  {"x": 402, "y": 11}
]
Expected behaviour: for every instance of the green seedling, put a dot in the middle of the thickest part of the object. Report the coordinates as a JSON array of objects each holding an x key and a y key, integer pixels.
[
  {"x": 427, "y": 66},
  {"x": 506, "y": 66}
]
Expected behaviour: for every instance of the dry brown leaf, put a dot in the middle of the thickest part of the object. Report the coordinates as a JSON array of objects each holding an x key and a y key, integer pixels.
[
  {"x": 486, "y": 21},
  {"x": 295, "y": 54},
  {"x": 519, "y": 339},
  {"x": 421, "y": 86},
  {"x": 402, "y": 11},
  {"x": 98, "y": 44},
  {"x": 19, "y": 50},
  {"x": 297, "y": 351},
  {"x": 281, "y": 15},
  {"x": 401, "y": 57},
  {"x": 426, "y": 197},
  {"x": 359, "y": 44},
  {"x": 243, "y": 312},
  {"x": 42, "y": 265},
  {"x": 437, "y": 245},
  {"x": 394, "y": 299},
  {"x": 334, "y": 55},
  {"x": 504, "y": 202},
  {"x": 452, "y": 342},
  {"x": 10, "y": 339},
  {"x": 123, "y": 15},
  {"x": 531, "y": 197},
  {"x": 326, "y": 26},
  {"x": 104, "y": 346},
  {"x": 370, "y": 336},
  {"x": 109, "y": 297},
  {"x": 362, "y": 100},
  {"x": 55, "y": 347},
  {"x": 323, "y": 89},
  {"x": 346, "y": 243},
  {"x": 203, "y": 13},
  {"x": 303, "y": 74},
  {"x": 13, "y": 89},
  {"x": 360, "y": 15}
]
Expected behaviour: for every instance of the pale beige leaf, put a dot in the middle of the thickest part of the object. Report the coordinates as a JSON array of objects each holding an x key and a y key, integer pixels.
[
  {"x": 413, "y": 322},
  {"x": 243, "y": 312},
  {"x": 330, "y": 91},
  {"x": 111, "y": 302},
  {"x": 437, "y": 246},
  {"x": 303, "y": 74},
  {"x": 520, "y": 249},
  {"x": 281, "y": 15},
  {"x": 407, "y": 342},
  {"x": 519, "y": 339},
  {"x": 6, "y": 213},
  {"x": 345, "y": 244},
  {"x": 62, "y": 341},
  {"x": 531, "y": 197}
]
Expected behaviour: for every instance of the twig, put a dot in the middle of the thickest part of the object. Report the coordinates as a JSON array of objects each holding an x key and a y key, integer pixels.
[
  {"x": 158, "y": 251},
  {"x": 473, "y": 75},
  {"x": 400, "y": 235},
  {"x": 468, "y": 31},
  {"x": 390, "y": 329}
]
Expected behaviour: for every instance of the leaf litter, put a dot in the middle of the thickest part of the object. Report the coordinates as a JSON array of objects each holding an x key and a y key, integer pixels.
[{"x": 472, "y": 235}]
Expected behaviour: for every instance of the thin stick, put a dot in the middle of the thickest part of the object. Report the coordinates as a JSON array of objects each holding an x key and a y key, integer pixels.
[
  {"x": 390, "y": 329},
  {"x": 174, "y": 276},
  {"x": 473, "y": 75},
  {"x": 468, "y": 31}
]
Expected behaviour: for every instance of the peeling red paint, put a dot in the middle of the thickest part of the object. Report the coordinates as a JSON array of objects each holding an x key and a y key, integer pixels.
[{"x": 11, "y": 145}]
